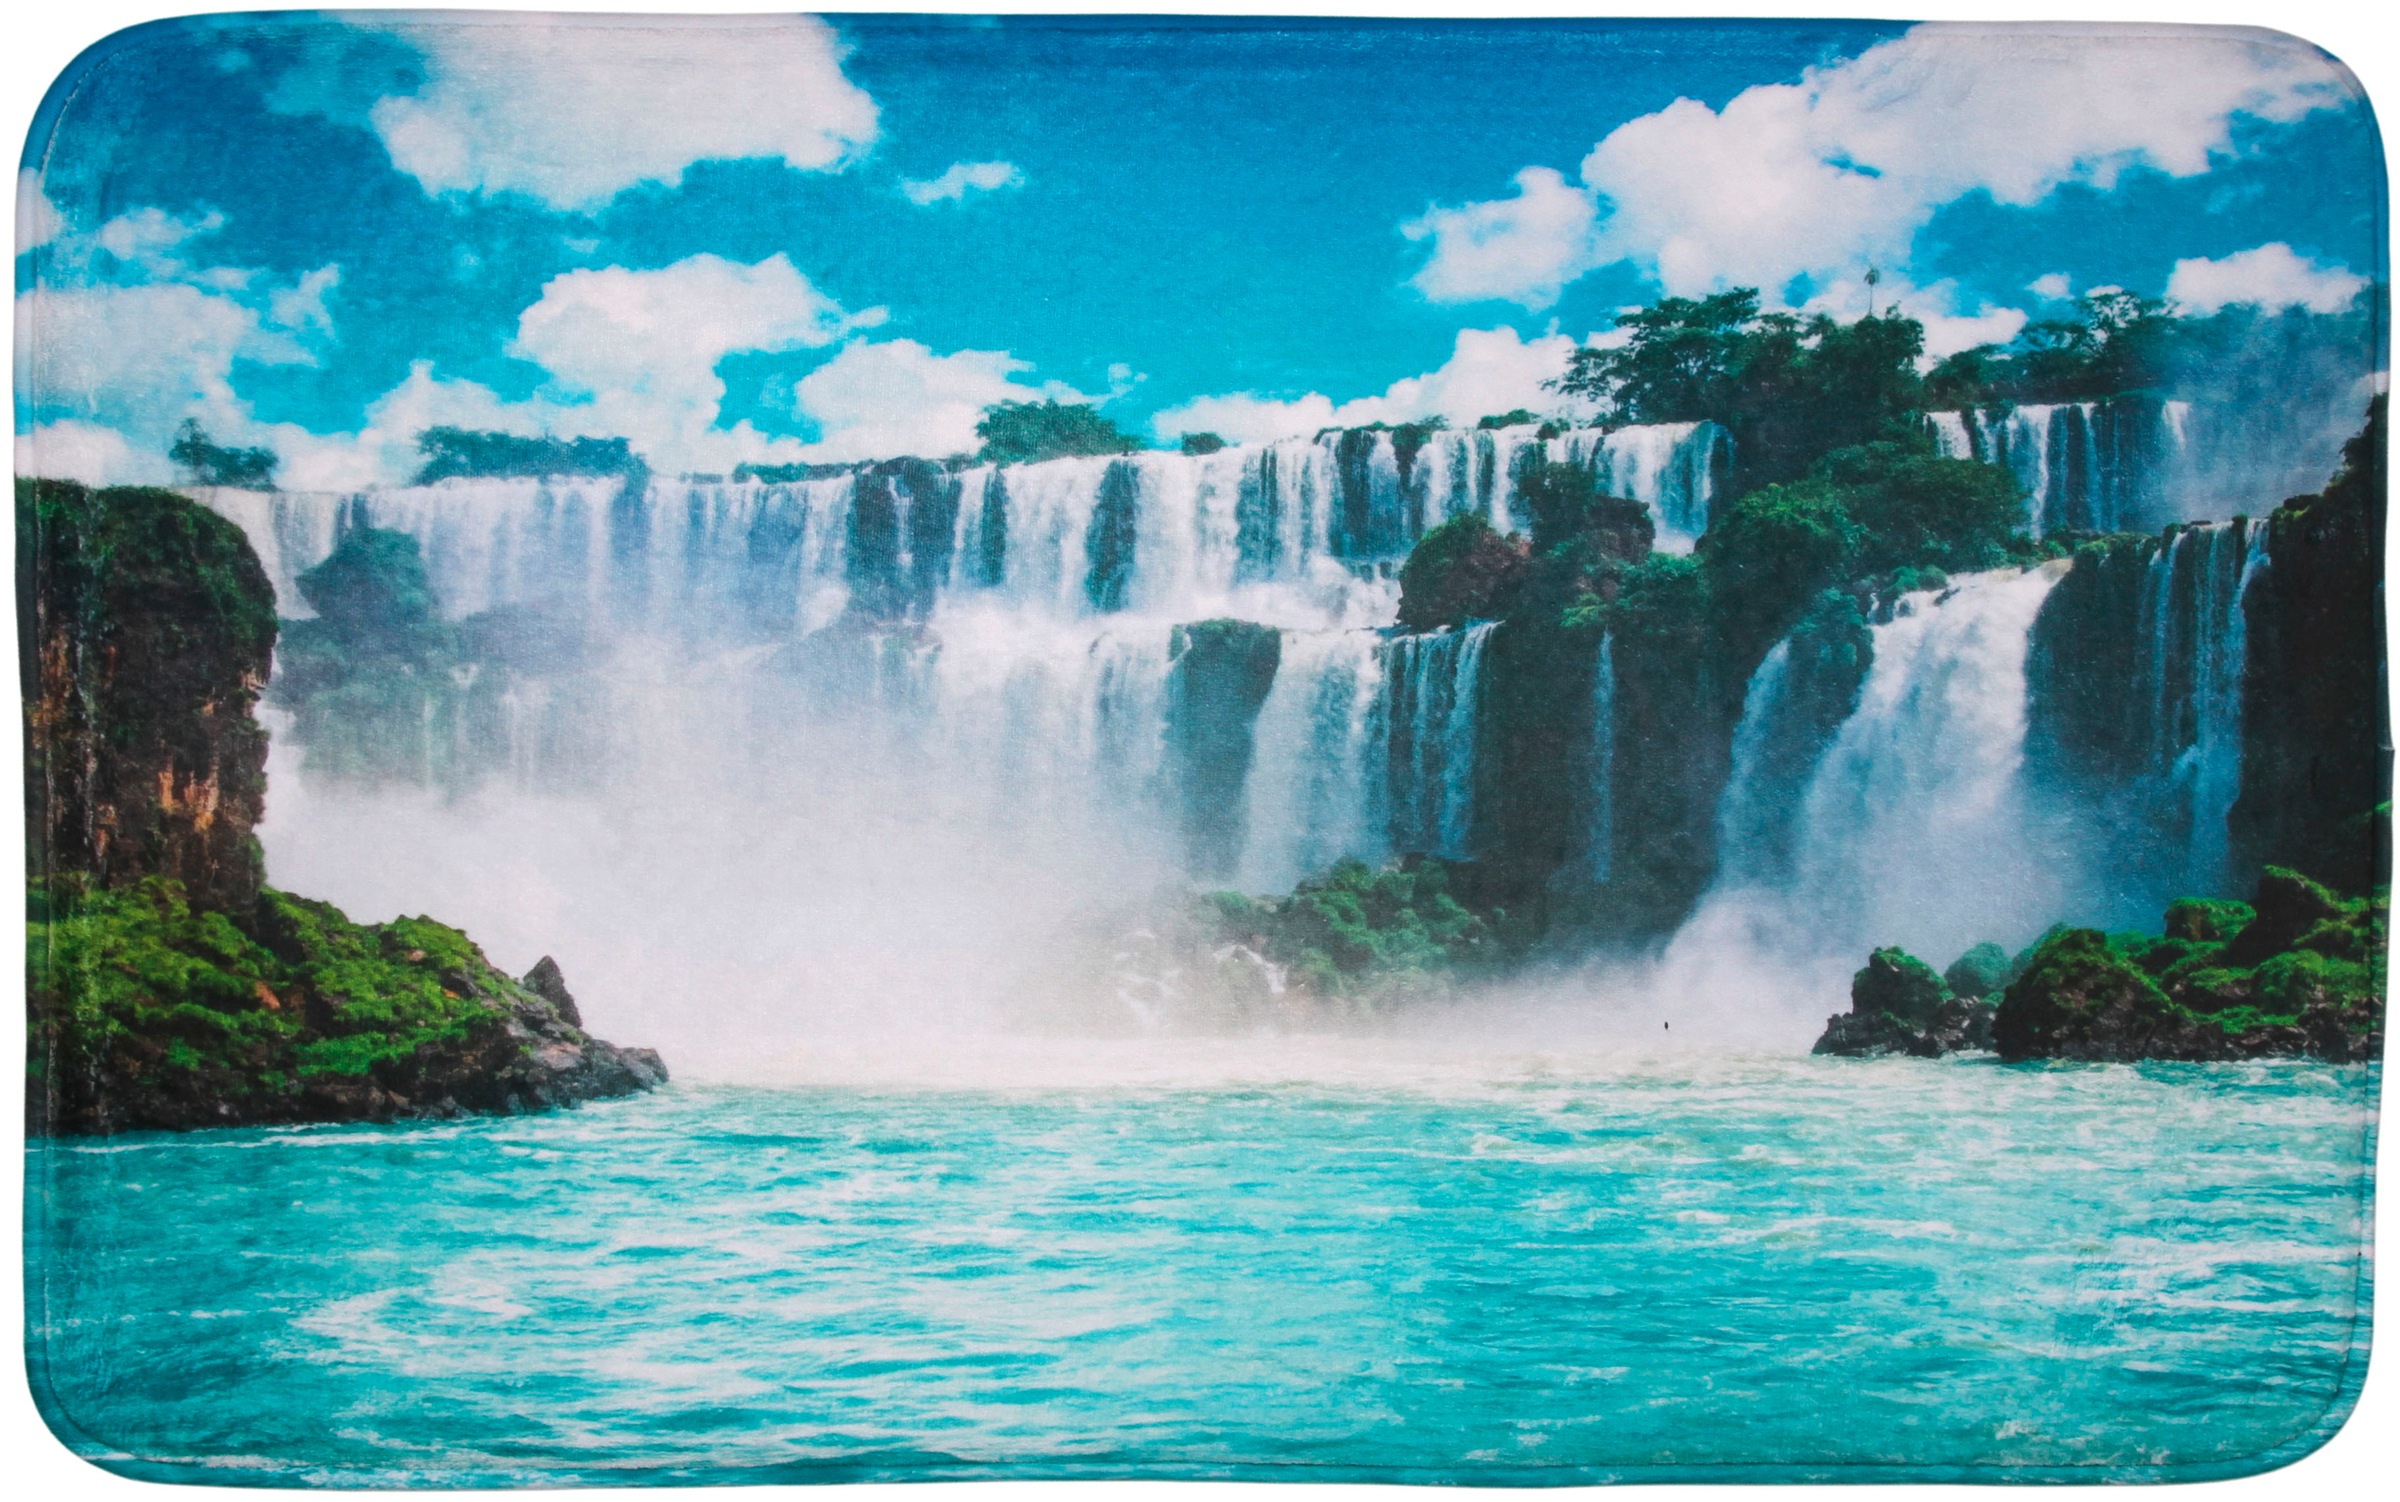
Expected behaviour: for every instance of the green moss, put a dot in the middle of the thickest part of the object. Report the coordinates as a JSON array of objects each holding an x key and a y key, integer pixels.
[
  {"x": 2207, "y": 919},
  {"x": 135, "y": 990},
  {"x": 1364, "y": 935},
  {"x": 1898, "y": 985},
  {"x": 1460, "y": 571},
  {"x": 1979, "y": 972},
  {"x": 2300, "y": 958}
]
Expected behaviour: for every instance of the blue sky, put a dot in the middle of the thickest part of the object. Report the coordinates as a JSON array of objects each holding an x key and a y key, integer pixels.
[{"x": 782, "y": 238}]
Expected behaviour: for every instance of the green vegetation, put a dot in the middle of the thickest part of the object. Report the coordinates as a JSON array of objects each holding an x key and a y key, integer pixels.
[
  {"x": 2301, "y": 970},
  {"x": 1979, "y": 972},
  {"x": 1515, "y": 417},
  {"x": 206, "y": 463},
  {"x": 2115, "y": 342},
  {"x": 1364, "y": 937},
  {"x": 149, "y": 1011},
  {"x": 1460, "y": 571},
  {"x": 1027, "y": 432},
  {"x": 789, "y": 474},
  {"x": 1202, "y": 443},
  {"x": 458, "y": 453},
  {"x": 1788, "y": 388}
]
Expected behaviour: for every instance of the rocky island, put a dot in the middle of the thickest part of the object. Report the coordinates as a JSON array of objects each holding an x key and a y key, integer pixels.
[{"x": 169, "y": 986}]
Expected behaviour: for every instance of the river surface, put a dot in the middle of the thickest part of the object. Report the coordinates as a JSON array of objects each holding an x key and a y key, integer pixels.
[{"x": 1526, "y": 1270}]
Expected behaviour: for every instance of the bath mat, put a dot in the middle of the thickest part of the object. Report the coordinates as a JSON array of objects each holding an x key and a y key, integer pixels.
[{"x": 882, "y": 748}]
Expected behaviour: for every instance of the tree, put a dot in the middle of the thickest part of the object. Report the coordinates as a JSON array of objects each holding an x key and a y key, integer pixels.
[
  {"x": 1515, "y": 417},
  {"x": 1789, "y": 389},
  {"x": 1769, "y": 553},
  {"x": 1027, "y": 432},
  {"x": 1914, "y": 510},
  {"x": 1202, "y": 443},
  {"x": 2115, "y": 342},
  {"x": 205, "y": 463},
  {"x": 461, "y": 453},
  {"x": 1683, "y": 360}
]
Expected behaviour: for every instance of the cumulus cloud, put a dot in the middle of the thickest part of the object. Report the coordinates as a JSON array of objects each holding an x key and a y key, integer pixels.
[
  {"x": 960, "y": 179},
  {"x": 635, "y": 352},
  {"x": 38, "y": 220},
  {"x": 1840, "y": 170},
  {"x": 1489, "y": 370},
  {"x": 2051, "y": 285},
  {"x": 1522, "y": 249},
  {"x": 71, "y": 450},
  {"x": 2272, "y": 276},
  {"x": 573, "y": 110},
  {"x": 140, "y": 359},
  {"x": 896, "y": 396}
]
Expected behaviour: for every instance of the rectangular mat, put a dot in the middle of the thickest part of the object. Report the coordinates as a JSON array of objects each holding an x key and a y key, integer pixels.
[{"x": 1471, "y": 753}]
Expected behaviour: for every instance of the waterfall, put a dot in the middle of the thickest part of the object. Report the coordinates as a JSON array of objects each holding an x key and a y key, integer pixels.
[
  {"x": 768, "y": 751},
  {"x": 1913, "y": 830},
  {"x": 1671, "y": 468},
  {"x": 2194, "y": 651},
  {"x": 2100, "y": 466},
  {"x": 1912, "y": 827},
  {"x": 1435, "y": 690},
  {"x": 1600, "y": 837},
  {"x": 1753, "y": 813},
  {"x": 1316, "y": 789},
  {"x": 2235, "y": 562}
]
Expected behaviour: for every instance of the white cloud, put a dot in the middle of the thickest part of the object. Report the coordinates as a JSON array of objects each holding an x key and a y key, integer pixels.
[
  {"x": 140, "y": 359},
  {"x": 1245, "y": 417},
  {"x": 1522, "y": 249},
  {"x": 2273, "y": 276},
  {"x": 86, "y": 451},
  {"x": 1489, "y": 370},
  {"x": 302, "y": 305},
  {"x": 896, "y": 396},
  {"x": 2053, "y": 285},
  {"x": 635, "y": 352},
  {"x": 961, "y": 178},
  {"x": 1935, "y": 307},
  {"x": 148, "y": 237},
  {"x": 618, "y": 329},
  {"x": 1840, "y": 170},
  {"x": 38, "y": 220},
  {"x": 573, "y": 110}
]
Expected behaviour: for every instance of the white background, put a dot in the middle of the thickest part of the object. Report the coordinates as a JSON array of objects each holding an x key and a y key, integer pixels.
[{"x": 2362, "y": 1461}]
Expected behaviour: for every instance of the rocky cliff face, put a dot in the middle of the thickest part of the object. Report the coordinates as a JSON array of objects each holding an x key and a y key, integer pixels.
[
  {"x": 145, "y": 628},
  {"x": 168, "y": 986},
  {"x": 2316, "y": 749}
]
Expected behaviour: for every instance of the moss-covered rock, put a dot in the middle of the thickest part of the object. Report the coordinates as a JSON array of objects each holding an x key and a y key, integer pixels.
[
  {"x": 1898, "y": 1005},
  {"x": 1979, "y": 972},
  {"x": 149, "y": 1012},
  {"x": 2299, "y": 972},
  {"x": 1460, "y": 571}
]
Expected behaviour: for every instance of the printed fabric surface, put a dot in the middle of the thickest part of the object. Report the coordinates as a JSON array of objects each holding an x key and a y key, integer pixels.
[{"x": 770, "y": 749}]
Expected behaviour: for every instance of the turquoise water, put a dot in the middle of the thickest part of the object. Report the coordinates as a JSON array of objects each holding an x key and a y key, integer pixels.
[{"x": 1709, "y": 1267}]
